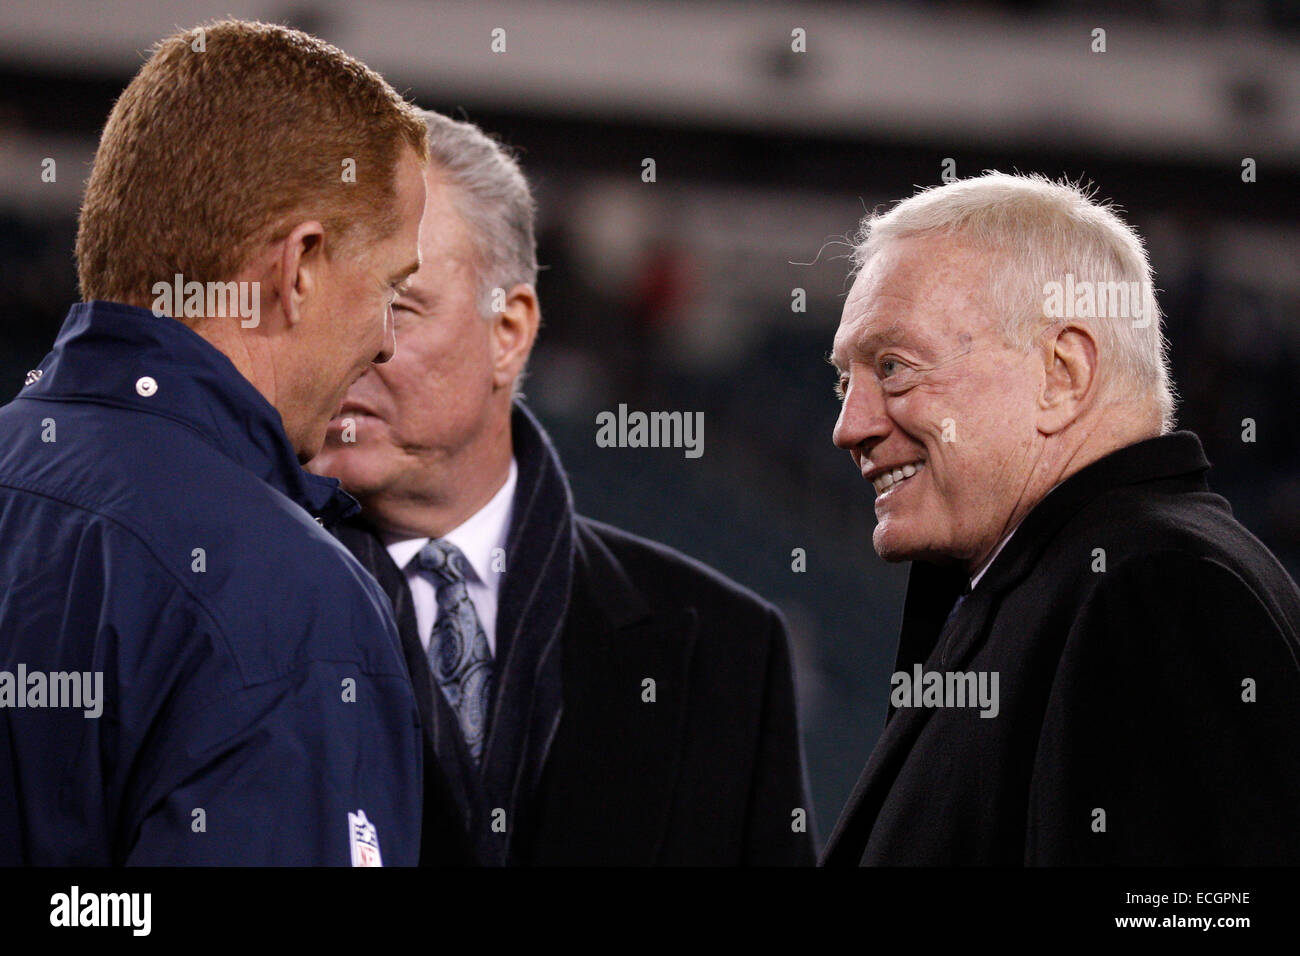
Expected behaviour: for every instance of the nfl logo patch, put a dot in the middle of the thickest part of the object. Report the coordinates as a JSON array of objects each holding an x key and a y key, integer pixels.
[{"x": 364, "y": 839}]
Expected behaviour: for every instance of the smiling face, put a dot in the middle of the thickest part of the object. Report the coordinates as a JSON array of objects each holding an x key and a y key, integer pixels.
[{"x": 938, "y": 412}]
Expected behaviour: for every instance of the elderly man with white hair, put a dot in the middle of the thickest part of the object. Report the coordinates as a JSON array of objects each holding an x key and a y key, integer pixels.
[{"x": 1097, "y": 663}]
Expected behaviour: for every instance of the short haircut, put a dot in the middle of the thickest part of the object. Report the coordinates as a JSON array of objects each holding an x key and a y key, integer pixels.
[
  {"x": 492, "y": 197},
  {"x": 228, "y": 136},
  {"x": 1038, "y": 231}
]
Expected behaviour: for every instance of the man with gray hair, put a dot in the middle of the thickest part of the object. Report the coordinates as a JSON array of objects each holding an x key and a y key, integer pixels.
[
  {"x": 588, "y": 697},
  {"x": 1097, "y": 664}
]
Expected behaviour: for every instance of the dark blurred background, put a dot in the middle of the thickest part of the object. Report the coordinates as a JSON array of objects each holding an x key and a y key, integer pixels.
[{"x": 678, "y": 294}]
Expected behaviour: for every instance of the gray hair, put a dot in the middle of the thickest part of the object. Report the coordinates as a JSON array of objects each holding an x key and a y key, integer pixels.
[
  {"x": 1039, "y": 232},
  {"x": 493, "y": 198}
]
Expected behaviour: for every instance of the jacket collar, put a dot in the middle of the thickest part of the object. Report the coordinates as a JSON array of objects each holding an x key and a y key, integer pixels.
[
  {"x": 534, "y": 601},
  {"x": 932, "y": 589},
  {"x": 108, "y": 353},
  {"x": 1175, "y": 456},
  {"x": 543, "y": 504}
]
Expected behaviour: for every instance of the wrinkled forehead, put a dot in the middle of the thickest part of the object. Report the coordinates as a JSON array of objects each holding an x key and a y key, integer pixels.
[{"x": 919, "y": 291}]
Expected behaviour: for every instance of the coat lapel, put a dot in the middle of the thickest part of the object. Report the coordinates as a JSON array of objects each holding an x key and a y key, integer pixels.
[{"x": 528, "y": 699}]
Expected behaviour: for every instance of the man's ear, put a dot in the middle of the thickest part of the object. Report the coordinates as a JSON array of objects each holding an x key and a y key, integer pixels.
[
  {"x": 301, "y": 259},
  {"x": 514, "y": 329},
  {"x": 1070, "y": 376}
]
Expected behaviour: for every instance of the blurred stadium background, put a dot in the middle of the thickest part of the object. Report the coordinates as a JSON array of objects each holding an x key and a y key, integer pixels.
[{"x": 678, "y": 294}]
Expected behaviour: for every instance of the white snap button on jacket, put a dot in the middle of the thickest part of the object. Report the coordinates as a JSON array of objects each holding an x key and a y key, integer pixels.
[{"x": 146, "y": 386}]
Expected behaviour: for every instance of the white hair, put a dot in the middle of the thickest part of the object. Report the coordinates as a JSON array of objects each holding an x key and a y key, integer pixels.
[
  {"x": 1039, "y": 232},
  {"x": 493, "y": 198}
]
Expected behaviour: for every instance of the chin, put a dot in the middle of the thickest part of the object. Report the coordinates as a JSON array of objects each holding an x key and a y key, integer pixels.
[
  {"x": 895, "y": 542},
  {"x": 889, "y": 546},
  {"x": 322, "y": 462},
  {"x": 333, "y": 459},
  {"x": 360, "y": 472},
  {"x": 309, "y": 447}
]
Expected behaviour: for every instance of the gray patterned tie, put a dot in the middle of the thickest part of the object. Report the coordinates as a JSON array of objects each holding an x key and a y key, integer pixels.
[{"x": 458, "y": 649}]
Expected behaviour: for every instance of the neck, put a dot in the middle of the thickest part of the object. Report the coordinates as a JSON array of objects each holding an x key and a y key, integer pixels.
[
  {"x": 1061, "y": 456},
  {"x": 254, "y": 360},
  {"x": 452, "y": 490},
  {"x": 249, "y": 362}
]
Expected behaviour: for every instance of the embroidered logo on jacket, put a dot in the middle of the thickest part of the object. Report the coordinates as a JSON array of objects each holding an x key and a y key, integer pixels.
[{"x": 364, "y": 839}]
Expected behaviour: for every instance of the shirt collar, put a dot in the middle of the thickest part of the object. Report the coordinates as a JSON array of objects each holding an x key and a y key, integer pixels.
[
  {"x": 119, "y": 355},
  {"x": 992, "y": 557},
  {"x": 477, "y": 536}
]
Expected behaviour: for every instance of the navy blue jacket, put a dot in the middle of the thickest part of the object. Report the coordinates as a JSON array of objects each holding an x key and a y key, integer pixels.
[{"x": 156, "y": 529}]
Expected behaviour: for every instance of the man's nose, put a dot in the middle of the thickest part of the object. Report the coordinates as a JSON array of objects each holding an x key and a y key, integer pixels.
[
  {"x": 862, "y": 416},
  {"x": 389, "y": 347}
]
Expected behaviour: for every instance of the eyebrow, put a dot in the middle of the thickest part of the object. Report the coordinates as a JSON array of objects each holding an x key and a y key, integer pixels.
[{"x": 891, "y": 334}]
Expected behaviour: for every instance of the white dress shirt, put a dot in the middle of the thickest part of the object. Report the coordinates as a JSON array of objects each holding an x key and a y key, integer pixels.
[{"x": 477, "y": 537}]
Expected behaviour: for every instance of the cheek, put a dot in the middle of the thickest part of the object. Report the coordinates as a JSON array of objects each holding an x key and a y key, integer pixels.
[
  {"x": 955, "y": 456},
  {"x": 368, "y": 303},
  {"x": 425, "y": 380},
  {"x": 466, "y": 358},
  {"x": 930, "y": 421},
  {"x": 407, "y": 386}
]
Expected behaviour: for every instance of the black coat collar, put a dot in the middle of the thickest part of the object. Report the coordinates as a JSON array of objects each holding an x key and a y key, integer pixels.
[
  {"x": 535, "y": 593},
  {"x": 932, "y": 589},
  {"x": 1178, "y": 455}
]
